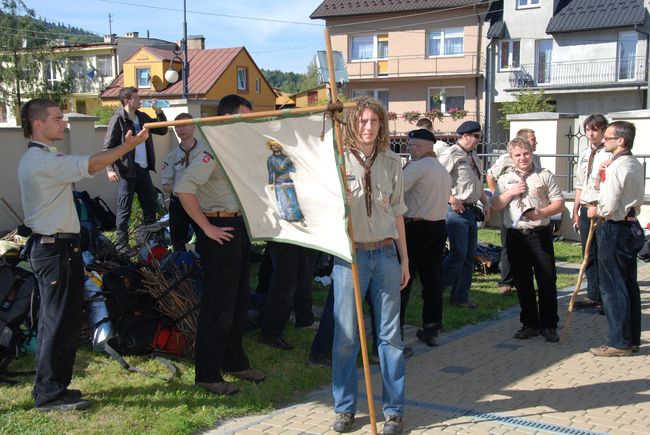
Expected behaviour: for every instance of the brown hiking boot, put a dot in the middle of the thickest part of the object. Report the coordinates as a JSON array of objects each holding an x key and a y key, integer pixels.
[
  {"x": 344, "y": 422},
  {"x": 526, "y": 332},
  {"x": 251, "y": 375},
  {"x": 607, "y": 351},
  {"x": 586, "y": 303},
  {"x": 222, "y": 388}
]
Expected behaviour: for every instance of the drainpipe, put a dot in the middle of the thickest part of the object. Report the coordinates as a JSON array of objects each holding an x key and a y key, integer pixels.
[
  {"x": 646, "y": 103},
  {"x": 489, "y": 72},
  {"x": 478, "y": 65}
]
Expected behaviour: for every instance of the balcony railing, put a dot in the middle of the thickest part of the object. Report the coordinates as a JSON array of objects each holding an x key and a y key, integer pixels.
[
  {"x": 414, "y": 66},
  {"x": 581, "y": 73}
]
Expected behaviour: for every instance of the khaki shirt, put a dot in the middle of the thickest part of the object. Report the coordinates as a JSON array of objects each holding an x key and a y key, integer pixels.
[
  {"x": 587, "y": 183},
  {"x": 466, "y": 184},
  {"x": 387, "y": 197},
  {"x": 174, "y": 164},
  {"x": 542, "y": 191},
  {"x": 45, "y": 177},
  {"x": 205, "y": 179},
  {"x": 504, "y": 162},
  {"x": 622, "y": 188},
  {"x": 427, "y": 186}
]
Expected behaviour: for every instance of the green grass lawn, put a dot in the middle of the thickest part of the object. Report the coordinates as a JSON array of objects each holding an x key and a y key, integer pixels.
[{"x": 130, "y": 403}]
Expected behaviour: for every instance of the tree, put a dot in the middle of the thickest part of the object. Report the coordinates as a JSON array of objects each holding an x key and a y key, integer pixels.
[
  {"x": 26, "y": 61},
  {"x": 525, "y": 102}
]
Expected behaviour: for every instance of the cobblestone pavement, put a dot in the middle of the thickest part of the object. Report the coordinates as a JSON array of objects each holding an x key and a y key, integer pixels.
[{"x": 481, "y": 380}]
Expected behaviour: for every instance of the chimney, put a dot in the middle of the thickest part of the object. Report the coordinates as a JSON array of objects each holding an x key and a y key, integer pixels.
[
  {"x": 132, "y": 34},
  {"x": 110, "y": 39},
  {"x": 196, "y": 42}
]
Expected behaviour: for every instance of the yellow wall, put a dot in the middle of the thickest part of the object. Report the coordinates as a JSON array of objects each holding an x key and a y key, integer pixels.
[
  {"x": 143, "y": 59},
  {"x": 302, "y": 98}
]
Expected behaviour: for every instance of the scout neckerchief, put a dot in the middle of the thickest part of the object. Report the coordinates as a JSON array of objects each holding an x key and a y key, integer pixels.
[
  {"x": 472, "y": 163},
  {"x": 32, "y": 144},
  {"x": 590, "y": 165},
  {"x": 601, "y": 175},
  {"x": 522, "y": 177},
  {"x": 187, "y": 152},
  {"x": 367, "y": 182}
]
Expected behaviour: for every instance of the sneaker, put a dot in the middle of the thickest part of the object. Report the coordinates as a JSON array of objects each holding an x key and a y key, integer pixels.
[
  {"x": 322, "y": 361},
  {"x": 277, "y": 343},
  {"x": 428, "y": 336},
  {"x": 607, "y": 351},
  {"x": 223, "y": 388},
  {"x": 393, "y": 425},
  {"x": 585, "y": 302},
  {"x": 344, "y": 422},
  {"x": 251, "y": 375},
  {"x": 66, "y": 403},
  {"x": 506, "y": 289},
  {"x": 550, "y": 335},
  {"x": 408, "y": 352},
  {"x": 526, "y": 332}
]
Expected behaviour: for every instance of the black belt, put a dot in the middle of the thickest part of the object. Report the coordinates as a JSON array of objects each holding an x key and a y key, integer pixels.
[
  {"x": 59, "y": 235},
  {"x": 528, "y": 231}
]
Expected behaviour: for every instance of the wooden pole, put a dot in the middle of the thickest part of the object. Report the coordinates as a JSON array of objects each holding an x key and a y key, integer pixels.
[
  {"x": 252, "y": 115},
  {"x": 358, "y": 302}
]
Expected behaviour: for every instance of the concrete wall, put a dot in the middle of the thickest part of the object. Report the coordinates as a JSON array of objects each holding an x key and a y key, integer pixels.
[{"x": 82, "y": 137}]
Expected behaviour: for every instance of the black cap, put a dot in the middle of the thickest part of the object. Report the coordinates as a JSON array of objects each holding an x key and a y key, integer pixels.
[
  {"x": 423, "y": 134},
  {"x": 469, "y": 127}
]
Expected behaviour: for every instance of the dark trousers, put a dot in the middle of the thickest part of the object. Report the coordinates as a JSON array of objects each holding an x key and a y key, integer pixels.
[
  {"x": 142, "y": 185},
  {"x": 619, "y": 244},
  {"x": 289, "y": 288},
  {"x": 324, "y": 338},
  {"x": 504, "y": 263},
  {"x": 591, "y": 270},
  {"x": 179, "y": 224},
  {"x": 224, "y": 302},
  {"x": 58, "y": 269},
  {"x": 425, "y": 241},
  {"x": 532, "y": 254}
]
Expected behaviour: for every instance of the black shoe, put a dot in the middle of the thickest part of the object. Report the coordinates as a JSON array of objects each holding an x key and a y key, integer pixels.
[
  {"x": 428, "y": 336},
  {"x": 408, "y": 352},
  {"x": 586, "y": 303},
  {"x": 393, "y": 425},
  {"x": 222, "y": 388},
  {"x": 465, "y": 304},
  {"x": 344, "y": 422},
  {"x": 526, "y": 332},
  {"x": 322, "y": 361},
  {"x": 76, "y": 394},
  {"x": 635, "y": 348},
  {"x": 66, "y": 403},
  {"x": 277, "y": 343},
  {"x": 550, "y": 335},
  {"x": 251, "y": 375}
]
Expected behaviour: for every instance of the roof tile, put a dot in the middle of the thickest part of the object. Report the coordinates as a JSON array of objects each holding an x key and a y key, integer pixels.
[
  {"x": 341, "y": 8},
  {"x": 586, "y": 15}
]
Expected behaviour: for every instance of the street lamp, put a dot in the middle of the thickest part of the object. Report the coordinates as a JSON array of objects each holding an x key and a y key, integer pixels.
[{"x": 171, "y": 75}]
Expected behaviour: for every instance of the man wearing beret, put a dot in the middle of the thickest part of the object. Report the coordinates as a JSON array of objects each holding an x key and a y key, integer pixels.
[
  {"x": 463, "y": 164},
  {"x": 427, "y": 186}
]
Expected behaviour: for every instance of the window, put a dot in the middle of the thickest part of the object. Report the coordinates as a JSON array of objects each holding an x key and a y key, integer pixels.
[
  {"x": 242, "y": 78},
  {"x": 446, "y": 42},
  {"x": 509, "y": 55},
  {"x": 105, "y": 66},
  {"x": 543, "y": 63},
  {"x": 626, "y": 60},
  {"x": 52, "y": 72},
  {"x": 524, "y": 4},
  {"x": 258, "y": 85},
  {"x": 378, "y": 94},
  {"x": 364, "y": 47},
  {"x": 446, "y": 99},
  {"x": 143, "y": 77},
  {"x": 76, "y": 66}
]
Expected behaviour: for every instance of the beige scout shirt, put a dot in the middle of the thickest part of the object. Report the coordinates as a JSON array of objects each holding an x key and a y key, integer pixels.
[
  {"x": 622, "y": 188},
  {"x": 205, "y": 179},
  {"x": 174, "y": 165},
  {"x": 427, "y": 186},
  {"x": 466, "y": 184},
  {"x": 504, "y": 162},
  {"x": 45, "y": 177},
  {"x": 542, "y": 190},
  {"x": 387, "y": 197},
  {"x": 587, "y": 183}
]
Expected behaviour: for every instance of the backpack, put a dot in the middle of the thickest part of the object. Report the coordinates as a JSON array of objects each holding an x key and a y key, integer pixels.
[
  {"x": 17, "y": 289},
  {"x": 104, "y": 217}
]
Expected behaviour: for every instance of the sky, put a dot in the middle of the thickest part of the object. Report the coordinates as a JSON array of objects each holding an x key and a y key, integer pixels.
[{"x": 284, "y": 44}]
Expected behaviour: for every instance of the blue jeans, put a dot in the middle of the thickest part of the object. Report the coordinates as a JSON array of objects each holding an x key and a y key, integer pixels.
[
  {"x": 379, "y": 273},
  {"x": 591, "y": 269},
  {"x": 458, "y": 266},
  {"x": 618, "y": 245}
]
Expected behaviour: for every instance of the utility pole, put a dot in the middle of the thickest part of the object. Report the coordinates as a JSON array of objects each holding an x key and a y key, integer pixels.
[
  {"x": 186, "y": 64},
  {"x": 110, "y": 24}
]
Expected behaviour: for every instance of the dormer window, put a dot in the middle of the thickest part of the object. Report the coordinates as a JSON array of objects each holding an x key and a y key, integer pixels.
[{"x": 143, "y": 77}]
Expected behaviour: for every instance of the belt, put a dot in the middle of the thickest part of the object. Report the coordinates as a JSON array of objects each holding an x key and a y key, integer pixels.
[
  {"x": 528, "y": 231},
  {"x": 627, "y": 220},
  {"x": 223, "y": 214},
  {"x": 372, "y": 246},
  {"x": 410, "y": 219},
  {"x": 54, "y": 237}
]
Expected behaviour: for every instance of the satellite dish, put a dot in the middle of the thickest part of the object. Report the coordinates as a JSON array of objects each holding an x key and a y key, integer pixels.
[{"x": 340, "y": 72}]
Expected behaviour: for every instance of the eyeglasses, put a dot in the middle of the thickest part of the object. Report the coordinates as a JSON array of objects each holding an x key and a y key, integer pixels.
[
  {"x": 478, "y": 136},
  {"x": 610, "y": 138},
  {"x": 412, "y": 144}
]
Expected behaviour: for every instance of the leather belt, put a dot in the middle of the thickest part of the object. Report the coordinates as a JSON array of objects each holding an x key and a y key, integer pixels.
[
  {"x": 45, "y": 239},
  {"x": 528, "y": 231},
  {"x": 223, "y": 214},
  {"x": 372, "y": 246},
  {"x": 412, "y": 219},
  {"x": 627, "y": 220}
]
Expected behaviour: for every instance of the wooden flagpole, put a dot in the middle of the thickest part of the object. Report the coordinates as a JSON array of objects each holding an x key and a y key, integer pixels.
[
  {"x": 355, "y": 271},
  {"x": 252, "y": 115}
]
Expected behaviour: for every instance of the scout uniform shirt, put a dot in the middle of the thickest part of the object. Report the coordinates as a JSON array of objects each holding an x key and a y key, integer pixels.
[
  {"x": 427, "y": 186},
  {"x": 177, "y": 161},
  {"x": 387, "y": 199},
  {"x": 587, "y": 182},
  {"x": 622, "y": 188},
  {"x": 45, "y": 177},
  {"x": 207, "y": 181},
  {"x": 505, "y": 161},
  {"x": 466, "y": 184},
  {"x": 542, "y": 190}
]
